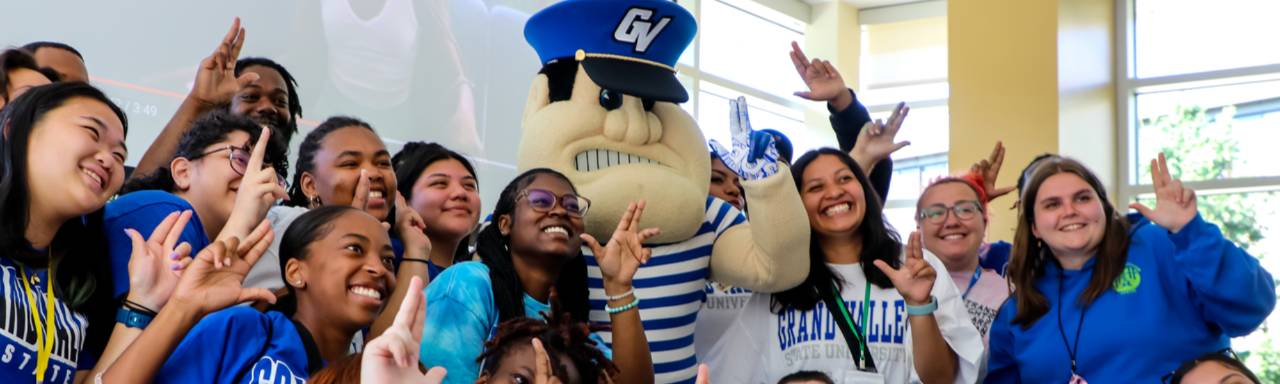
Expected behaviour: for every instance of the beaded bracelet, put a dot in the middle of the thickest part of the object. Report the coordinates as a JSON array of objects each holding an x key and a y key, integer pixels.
[
  {"x": 624, "y": 295},
  {"x": 624, "y": 308}
]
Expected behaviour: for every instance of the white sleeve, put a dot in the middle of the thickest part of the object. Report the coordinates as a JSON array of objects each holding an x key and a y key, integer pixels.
[{"x": 953, "y": 320}]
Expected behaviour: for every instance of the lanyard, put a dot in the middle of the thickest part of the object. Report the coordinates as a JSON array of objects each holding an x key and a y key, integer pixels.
[
  {"x": 44, "y": 337},
  {"x": 862, "y": 333},
  {"x": 1074, "y": 348},
  {"x": 977, "y": 272}
]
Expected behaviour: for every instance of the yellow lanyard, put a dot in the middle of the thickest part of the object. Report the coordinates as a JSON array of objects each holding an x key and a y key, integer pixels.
[{"x": 44, "y": 337}]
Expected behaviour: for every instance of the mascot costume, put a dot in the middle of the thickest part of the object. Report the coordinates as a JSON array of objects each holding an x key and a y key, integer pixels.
[{"x": 603, "y": 111}]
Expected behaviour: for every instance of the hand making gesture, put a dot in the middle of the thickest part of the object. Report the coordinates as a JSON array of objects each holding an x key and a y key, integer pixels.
[
  {"x": 914, "y": 280},
  {"x": 1175, "y": 203},
  {"x": 393, "y": 356},
  {"x": 216, "y": 80},
  {"x": 625, "y": 252},
  {"x": 157, "y": 262}
]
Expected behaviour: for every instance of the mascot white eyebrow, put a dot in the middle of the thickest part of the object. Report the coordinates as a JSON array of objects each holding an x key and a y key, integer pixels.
[{"x": 603, "y": 111}]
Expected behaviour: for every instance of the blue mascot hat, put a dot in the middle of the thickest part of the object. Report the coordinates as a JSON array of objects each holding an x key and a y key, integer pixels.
[{"x": 629, "y": 46}]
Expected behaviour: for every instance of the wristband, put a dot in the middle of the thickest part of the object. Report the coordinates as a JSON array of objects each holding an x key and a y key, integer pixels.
[
  {"x": 133, "y": 318},
  {"x": 624, "y": 308},
  {"x": 624, "y": 295},
  {"x": 923, "y": 310},
  {"x": 423, "y": 261},
  {"x": 139, "y": 308}
]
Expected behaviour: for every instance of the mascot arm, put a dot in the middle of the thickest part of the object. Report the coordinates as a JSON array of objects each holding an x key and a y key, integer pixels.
[{"x": 772, "y": 256}]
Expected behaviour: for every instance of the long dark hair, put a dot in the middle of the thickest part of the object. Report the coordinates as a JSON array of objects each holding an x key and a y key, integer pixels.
[
  {"x": 304, "y": 230},
  {"x": 290, "y": 84},
  {"x": 879, "y": 242},
  {"x": 12, "y": 59},
  {"x": 413, "y": 159},
  {"x": 83, "y": 280},
  {"x": 1030, "y": 255},
  {"x": 205, "y": 131},
  {"x": 508, "y": 292}
]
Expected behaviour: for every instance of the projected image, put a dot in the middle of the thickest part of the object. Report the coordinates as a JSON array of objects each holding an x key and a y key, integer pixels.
[{"x": 450, "y": 71}]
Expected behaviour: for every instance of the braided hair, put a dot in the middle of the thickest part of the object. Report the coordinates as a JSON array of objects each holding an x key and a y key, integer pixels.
[{"x": 560, "y": 334}]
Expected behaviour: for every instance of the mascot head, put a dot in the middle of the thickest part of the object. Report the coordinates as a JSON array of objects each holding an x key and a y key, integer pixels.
[{"x": 603, "y": 111}]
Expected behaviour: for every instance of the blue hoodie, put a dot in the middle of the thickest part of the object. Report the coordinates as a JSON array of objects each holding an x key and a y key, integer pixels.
[{"x": 1180, "y": 296}]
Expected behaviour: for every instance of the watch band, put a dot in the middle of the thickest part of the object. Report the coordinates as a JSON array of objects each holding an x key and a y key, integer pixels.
[
  {"x": 923, "y": 310},
  {"x": 133, "y": 318}
]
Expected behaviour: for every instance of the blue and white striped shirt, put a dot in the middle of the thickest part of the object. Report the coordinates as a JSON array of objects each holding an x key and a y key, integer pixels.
[{"x": 670, "y": 287}]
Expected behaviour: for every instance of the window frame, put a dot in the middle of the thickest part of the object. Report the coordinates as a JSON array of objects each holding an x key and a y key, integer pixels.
[{"x": 1129, "y": 85}]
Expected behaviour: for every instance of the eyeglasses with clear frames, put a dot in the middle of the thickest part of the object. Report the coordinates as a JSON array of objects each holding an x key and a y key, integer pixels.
[{"x": 937, "y": 213}]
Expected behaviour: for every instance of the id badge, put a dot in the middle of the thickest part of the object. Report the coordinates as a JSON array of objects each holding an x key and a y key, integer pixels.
[
  {"x": 860, "y": 377},
  {"x": 1077, "y": 379}
]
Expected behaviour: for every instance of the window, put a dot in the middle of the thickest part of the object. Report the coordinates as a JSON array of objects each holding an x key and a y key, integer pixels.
[
  {"x": 1196, "y": 85},
  {"x": 737, "y": 42},
  {"x": 904, "y": 58}
]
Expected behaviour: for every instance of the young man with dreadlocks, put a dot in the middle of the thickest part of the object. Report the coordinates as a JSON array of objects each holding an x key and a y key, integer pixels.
[{"x": 255, "y": 87}]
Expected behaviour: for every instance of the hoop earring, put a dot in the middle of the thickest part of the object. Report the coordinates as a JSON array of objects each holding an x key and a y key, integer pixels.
[{"x": 315, "y": 202}]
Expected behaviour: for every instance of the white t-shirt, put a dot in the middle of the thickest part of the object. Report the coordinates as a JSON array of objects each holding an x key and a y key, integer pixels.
[
  {"x": 266, "y": 273},
  {"x": 762, "y": 346},
  {"x": 719, "y": 310}
]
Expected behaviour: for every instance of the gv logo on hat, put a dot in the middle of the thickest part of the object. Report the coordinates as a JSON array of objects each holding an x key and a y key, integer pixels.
[{"x": 637, "y": 28}]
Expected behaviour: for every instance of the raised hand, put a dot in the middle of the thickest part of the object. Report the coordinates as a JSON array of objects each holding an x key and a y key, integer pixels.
[
  {"x": 989, "y": 169},
  {"x": 393, "y": 356},
  {"x": 156, "y": 262},
  {"x": 216, "y": 80},
  {"x": 1175, "y": 204},
  {"x": 876, "y": 140},
  {"x": 542, "y": 372},
  {"x": 625, "y": 252},
  {"x": 360, "y": 197},
  {"x": 259, "y": 190},
  {"x": 753, "y": 156},
  {"x": 822, "y": 79},
  {"x": 411, "y": 227},
  {"x": 214, "y": 278},
  {"x": 914, "y": 280}
]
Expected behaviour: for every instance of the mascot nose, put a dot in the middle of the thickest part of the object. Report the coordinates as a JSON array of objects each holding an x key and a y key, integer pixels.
[{"x": 632, "y": 123}]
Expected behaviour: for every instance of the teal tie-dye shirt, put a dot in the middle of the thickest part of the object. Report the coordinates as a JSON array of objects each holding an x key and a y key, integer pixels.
[{"x": 461, "y": 316}]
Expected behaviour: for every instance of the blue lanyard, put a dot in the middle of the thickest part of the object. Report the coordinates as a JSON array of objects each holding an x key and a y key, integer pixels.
[{"x": 977, "y": 273}]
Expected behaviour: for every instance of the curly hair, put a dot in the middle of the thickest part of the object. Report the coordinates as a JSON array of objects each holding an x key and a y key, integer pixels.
[{"x": 560, "y": 335}]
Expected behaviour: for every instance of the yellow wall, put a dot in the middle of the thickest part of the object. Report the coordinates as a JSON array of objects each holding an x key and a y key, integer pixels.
[
  {"x": 833, "y": 34},
  {"x": 1002, "y": 66}
]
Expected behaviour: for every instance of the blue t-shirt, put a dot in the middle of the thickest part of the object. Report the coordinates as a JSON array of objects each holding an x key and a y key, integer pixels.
[
  {"x": 239, "y": 345},
  {"x": 143, "y": 211},
  {"x": 1180, "y": 296},
  {"x": 18, "y": 353},
  {"x": 461, "y": 316}
]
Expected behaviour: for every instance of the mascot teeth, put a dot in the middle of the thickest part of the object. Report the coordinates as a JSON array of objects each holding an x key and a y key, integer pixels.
[{"x": 597, "y": 159}]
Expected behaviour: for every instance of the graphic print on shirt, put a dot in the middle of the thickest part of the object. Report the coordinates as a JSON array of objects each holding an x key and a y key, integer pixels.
[
  {"x": 18, "y": 352},
  {"x": 1129, "y": 279},
  {"x": 981, "y": 316},
  {"x": 725, "y": 297},
  {"x": 813, "y": 334},
  {"x": 271, "y": 371}
]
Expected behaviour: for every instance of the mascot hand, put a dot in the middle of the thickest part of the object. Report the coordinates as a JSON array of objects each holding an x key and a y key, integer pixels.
[{"x": 753, "y": 156}]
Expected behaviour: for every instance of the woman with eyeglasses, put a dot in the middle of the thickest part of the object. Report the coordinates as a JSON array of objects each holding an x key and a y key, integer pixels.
[
  {"x": 871, "y": 310},
  {"x": 209, "y": 176},
  {"x": 951, "y": 216},
  {"x": 1112, "y": 299},
  {"x": 533, "y": 247}
]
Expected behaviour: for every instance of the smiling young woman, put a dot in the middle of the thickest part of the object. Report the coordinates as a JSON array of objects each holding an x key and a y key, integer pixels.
[{"x": 1110, "y": 298}]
